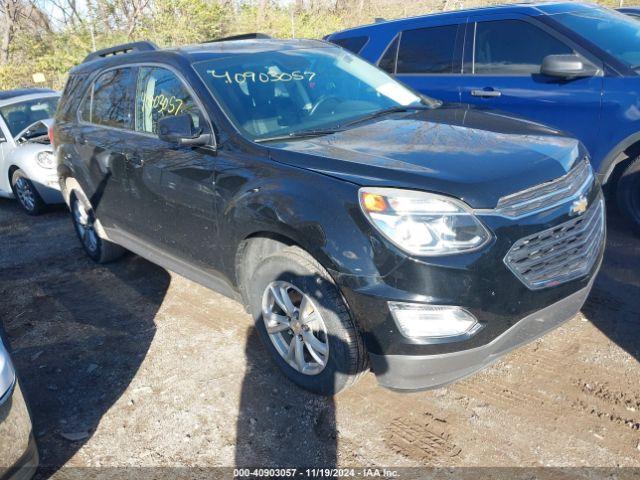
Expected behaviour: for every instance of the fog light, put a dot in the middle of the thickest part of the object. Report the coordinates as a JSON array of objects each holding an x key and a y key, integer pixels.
[
  {"x": 416, "y": 320},
  {"x": 7, "y": 374}
]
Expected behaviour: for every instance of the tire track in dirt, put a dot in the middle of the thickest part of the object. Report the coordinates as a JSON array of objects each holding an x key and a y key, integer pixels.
[
  {"x": 596, "y": 407},
  {"x": 605, "y": 403},
  {"x": 425, "y": 440},
  {"x": 546, "y": 363},
  {"x": 505, "y": 396}
]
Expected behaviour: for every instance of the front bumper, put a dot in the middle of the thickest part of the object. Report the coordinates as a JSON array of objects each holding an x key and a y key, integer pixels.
[
  {"x": 18, "y": 452},
  {"x": 408, "y": 372},
  {"x": 48, "y": 186},
  {"x": 509, "y": 312}
]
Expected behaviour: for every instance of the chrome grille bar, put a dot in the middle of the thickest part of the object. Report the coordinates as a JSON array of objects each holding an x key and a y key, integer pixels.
[
  {"x": 547, "y": 195},
  {"x": 561, "y": 253}
]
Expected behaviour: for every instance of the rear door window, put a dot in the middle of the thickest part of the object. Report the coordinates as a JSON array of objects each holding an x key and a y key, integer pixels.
[
  {"x": 159, "y": 94},
  {"x": 513, "y": 47},
  {"x": 353, "y": 44},
  {"x": 427, "y": 50},
  {"x": 110, "y": 103}
]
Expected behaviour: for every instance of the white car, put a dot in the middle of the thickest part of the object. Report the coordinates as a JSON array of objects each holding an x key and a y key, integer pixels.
[{"x": 27, "y": 165}]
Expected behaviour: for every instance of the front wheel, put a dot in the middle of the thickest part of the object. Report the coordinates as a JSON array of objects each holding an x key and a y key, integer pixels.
[
  {"x": 99, "y": 249},
  {"x": 628, "y": 194},
  {"x": 25, "y": 191},
  {"x": 304, "y": 322}
]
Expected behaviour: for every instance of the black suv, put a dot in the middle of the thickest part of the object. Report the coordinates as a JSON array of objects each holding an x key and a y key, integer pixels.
[{"x": 362, "y": 224}]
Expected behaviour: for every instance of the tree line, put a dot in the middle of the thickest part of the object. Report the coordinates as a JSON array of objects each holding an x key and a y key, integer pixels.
[{"x": 40, "y": 40}]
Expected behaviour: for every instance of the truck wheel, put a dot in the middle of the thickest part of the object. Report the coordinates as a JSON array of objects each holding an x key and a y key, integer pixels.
[
  {"x": 304, "y": 322},
  {"x": 25, "y": 191},
  {"x": 628, "y": 194},
  {"x": 99, "y": 249}
]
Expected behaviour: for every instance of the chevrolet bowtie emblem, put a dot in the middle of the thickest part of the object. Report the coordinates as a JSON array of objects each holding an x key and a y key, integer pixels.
[{"x": 579, "y": 206}]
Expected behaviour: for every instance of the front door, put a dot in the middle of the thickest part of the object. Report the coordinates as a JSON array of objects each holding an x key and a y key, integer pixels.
[
  {"x": 502, "y": 72},
  {"x": 172, "y": 187}
]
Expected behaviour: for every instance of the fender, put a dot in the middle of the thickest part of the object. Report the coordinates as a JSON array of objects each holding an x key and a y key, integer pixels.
[
  {"x": 321, "y": 215},
  {"x": 615, "y": 156}
]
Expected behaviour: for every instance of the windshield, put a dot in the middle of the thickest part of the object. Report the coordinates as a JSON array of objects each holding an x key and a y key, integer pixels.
[
  {"x": 613, "y": 32},
  {"x": 19, "y": 116},
  {"x": 274, "y": 94}
]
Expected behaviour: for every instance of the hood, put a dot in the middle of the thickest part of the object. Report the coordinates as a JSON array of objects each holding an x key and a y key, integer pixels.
[{"x": 476, "y": 156}]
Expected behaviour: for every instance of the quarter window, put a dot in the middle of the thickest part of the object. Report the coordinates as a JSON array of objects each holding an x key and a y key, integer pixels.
[
  {"x": 111, "y": 104},
  {"x": 160, "y": 93},
  {"x": 388, "y": 60},
  {"x": 513, "y": 47},
  {"x": 353, "y": 44},
  {"x": 427, "y": 50}
]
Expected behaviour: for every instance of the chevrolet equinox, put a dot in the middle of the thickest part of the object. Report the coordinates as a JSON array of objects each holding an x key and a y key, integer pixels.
[{"x": 362, "y": 224}]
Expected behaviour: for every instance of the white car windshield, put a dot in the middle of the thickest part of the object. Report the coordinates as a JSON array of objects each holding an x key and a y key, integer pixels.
[{"x": 20, "y": 115}]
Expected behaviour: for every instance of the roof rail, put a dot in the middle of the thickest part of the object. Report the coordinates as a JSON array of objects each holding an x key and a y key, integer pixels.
[
  {"x": 379, "y": 20},
  {"x": 242, "y": 36},
  {"x": 144, "y": 46}
]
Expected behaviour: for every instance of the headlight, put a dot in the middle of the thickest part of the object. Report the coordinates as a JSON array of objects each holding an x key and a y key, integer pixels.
[
  {"x": 46, "y": 159},
  {"x": 421, "y": 223},
  {"x": 7, "y": 373}
]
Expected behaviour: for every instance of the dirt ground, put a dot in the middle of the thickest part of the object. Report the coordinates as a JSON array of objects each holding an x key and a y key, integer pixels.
[{"x": 130, "y": 365}]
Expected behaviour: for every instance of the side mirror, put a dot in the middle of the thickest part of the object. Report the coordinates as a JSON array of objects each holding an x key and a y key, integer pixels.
[
  {"x": 179, "y": 129},
  {"x": 568, "y": 66}
]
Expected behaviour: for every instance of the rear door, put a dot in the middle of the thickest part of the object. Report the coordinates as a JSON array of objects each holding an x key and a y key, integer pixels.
[
  {"x": 502, "y": 71},
  {"x": 173, "y": 186},
  {"x": 428, "y": 59},
  {"x": 103, "y": 143}
]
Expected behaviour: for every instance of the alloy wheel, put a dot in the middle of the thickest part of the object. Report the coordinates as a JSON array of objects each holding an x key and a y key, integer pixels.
[
  {"x": 295, "y": 327},
  {"x": 25, "y": 193},
  {"x": 84, "y": 222}
]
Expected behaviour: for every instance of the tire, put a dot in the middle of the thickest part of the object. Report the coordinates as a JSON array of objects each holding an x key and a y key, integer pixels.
[
  {"x": 628, "y": 194},
  {"x": 345, "y": 361},
  {"x": 25, "y": 192},
  {"x": 98, "y": 248}
]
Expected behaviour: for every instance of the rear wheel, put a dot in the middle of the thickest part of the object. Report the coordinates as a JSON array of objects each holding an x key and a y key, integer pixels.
[
  {"x": 99, "y": 249},
  {"x": 26, "y": 194},
  {"x": 628, "y": 194},
  {"x": 304, "y": 322}
]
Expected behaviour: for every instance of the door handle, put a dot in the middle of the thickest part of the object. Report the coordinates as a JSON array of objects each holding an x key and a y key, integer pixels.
[{"x": 486, "y": 93}]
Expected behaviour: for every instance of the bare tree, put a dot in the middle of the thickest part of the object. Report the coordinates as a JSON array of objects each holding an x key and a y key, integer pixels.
[{"x": 10, "y": 11}]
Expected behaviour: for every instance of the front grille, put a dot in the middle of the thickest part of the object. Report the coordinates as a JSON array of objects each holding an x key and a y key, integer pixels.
[
  {"x": 561, "y": 253},
  {"x": 548, "y": 194}
]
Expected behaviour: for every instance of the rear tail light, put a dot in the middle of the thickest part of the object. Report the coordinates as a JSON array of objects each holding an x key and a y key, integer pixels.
[{"x": 50, "y": 133}]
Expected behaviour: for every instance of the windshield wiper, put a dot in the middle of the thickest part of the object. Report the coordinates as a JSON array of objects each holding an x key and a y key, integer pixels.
[
  {"x": 387, "y": 111},
  {"x": 312, "y": 132},
  {"x": 318, "y": 132}
]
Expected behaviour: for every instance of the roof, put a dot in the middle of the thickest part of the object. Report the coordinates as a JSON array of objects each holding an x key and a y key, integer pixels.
[
  {"x": 531, "y": 8},
  {"x": 8, "y": 94},
  {"x": 204, "y": 51}
]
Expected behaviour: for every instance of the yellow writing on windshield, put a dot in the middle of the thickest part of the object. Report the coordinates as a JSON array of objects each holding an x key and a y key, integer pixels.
[{"x": 262, "y": 77}]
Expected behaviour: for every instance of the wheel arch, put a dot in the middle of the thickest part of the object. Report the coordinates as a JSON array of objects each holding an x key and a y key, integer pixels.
[
  {"x": 253, "y": 249},
  {"x": 11, "y": 170},
  {"x": 618, "y": 158}
]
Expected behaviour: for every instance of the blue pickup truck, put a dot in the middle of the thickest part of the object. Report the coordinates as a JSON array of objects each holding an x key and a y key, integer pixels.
[{"x": 572, "y": 66}]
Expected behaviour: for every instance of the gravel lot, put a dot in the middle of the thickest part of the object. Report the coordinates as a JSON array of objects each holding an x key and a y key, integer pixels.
[{"x": 130, "y": 365}]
